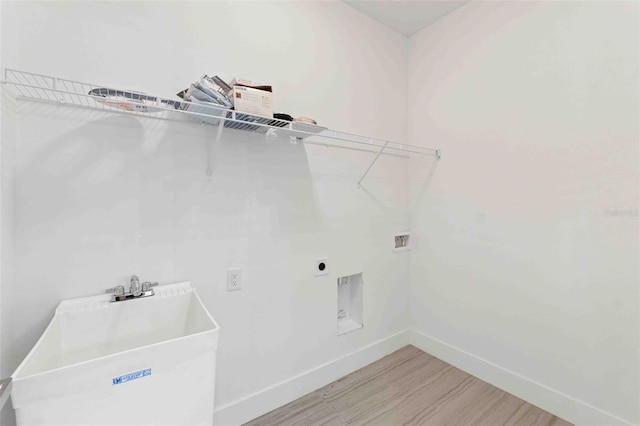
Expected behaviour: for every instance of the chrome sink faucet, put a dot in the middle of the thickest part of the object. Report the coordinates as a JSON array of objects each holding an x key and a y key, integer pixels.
[{"x": 136, "y": 290}]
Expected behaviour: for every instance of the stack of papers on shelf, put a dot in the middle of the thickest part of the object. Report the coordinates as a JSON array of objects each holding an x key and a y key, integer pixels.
[{"x": 207, "y": 98}]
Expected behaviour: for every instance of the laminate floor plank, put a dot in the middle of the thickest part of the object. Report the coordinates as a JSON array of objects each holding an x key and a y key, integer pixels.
[
  {"x": 310, "y": 410},
  {"x": 389, "y": 387},
  {"x": 370, "y": 372},
  {"x": 386, "y": 399},
  {"x": 408, "y": 387},
  {"x": 415, "y": 403}
]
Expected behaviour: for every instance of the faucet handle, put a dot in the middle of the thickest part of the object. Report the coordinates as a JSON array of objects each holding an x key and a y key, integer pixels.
[
  {"x": 146, "y": 286},
  {"x": 117, "y": 290}
]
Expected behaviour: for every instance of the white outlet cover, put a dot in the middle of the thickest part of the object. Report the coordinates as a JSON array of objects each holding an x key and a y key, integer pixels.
[
  {"x": 231, "y": 286},
  {"x": 321, "y": 266}
]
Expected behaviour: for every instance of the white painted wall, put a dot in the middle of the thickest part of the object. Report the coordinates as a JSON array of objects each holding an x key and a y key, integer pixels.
[
  {"x": 99, "y": 196},
  {"x": 520, "y": 260},
  {"x": 8, "y": 132},
  {"x": 2, "y": 203}
]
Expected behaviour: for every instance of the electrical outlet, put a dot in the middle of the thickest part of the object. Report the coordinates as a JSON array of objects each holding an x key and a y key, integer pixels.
[
  {"x": 321, "y": 266},
  {"x": 234, "y": 279}
]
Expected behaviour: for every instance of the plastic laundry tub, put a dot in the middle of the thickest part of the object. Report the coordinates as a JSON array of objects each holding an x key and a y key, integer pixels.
[{"x": 148, "y": 361}]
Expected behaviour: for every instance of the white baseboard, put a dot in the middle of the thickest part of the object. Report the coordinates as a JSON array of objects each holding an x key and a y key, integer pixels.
[
  {"x": 548, "y": 399},
  {"x": 275, "y": 396}
]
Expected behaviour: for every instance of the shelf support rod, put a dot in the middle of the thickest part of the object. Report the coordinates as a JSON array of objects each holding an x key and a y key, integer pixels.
[
  {"x": 372, "y": 163},
  {"x": 213, "y": 146}
]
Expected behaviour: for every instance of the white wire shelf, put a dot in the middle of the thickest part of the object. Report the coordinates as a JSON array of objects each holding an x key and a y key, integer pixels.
[{"x": 42, "y": 88}]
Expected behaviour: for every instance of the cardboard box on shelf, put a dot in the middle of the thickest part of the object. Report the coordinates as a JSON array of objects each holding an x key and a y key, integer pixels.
[
  {"x": 250, "y": 83},
  {"x": 252, "y": 101}
]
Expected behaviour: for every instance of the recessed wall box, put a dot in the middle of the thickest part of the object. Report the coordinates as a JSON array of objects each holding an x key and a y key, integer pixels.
[
  {"x": 402, "y": 241},
  {"x": 350, "y": 303}
]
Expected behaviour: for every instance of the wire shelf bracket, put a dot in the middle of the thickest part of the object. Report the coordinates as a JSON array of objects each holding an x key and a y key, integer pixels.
[
  {"x": 212, "y": 149},
  {"x": 372, "y": 163}
]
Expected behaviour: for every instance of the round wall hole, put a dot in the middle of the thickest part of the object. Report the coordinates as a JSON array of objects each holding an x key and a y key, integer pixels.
[{"x": 321, "y": 266}]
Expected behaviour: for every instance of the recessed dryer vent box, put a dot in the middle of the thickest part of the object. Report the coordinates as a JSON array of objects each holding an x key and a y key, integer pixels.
[
  {"x": 402, "y": 241},
  {"x": 349, "y": 303}
]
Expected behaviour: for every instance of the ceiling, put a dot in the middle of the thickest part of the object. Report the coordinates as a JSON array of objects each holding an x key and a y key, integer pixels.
[{"x": 406, "y": 17}]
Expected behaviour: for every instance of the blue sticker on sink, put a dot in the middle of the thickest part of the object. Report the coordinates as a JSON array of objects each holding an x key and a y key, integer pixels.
[{"x": 132, "y": 376}]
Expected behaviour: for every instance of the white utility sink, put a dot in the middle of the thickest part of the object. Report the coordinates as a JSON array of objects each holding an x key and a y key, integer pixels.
[{"x": 147, "y": 361}]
